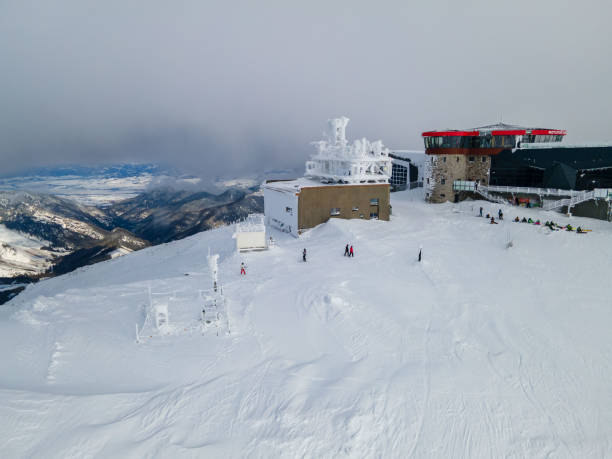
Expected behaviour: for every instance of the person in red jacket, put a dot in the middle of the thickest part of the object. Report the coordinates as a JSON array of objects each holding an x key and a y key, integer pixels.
[
  {"x": 242, "y": 269},
  {"x": 351, "y": 253}
]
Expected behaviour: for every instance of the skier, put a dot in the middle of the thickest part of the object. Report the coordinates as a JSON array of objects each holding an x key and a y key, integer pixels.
[
  {"x": 242, "y": 269},
  {"x": 481, "y": 211},
  {"x": 493, "y": 222},
  {"x": 500, "y": 214},
  {"x": 346, "y": 250},
  {"x": 351, "y": 253},
  {"x": 524, "y": 220},
  {"x": 420, "y": 252},
  {"x": 517, "y": 219},
  {"x": 304, "y": 255}
]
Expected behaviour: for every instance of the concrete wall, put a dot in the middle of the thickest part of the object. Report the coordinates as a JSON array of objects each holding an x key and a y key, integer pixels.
[
  {"x": 316, "y": 203},
  {"x": 598, "y": 208},
  {"x": 277, "y": 215},
  {"x": 448, "y": 168}
]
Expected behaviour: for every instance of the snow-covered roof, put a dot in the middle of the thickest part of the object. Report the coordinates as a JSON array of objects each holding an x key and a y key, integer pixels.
[
  {"x": 566, "y": 145},
  {"x": 304, "y": 182}
]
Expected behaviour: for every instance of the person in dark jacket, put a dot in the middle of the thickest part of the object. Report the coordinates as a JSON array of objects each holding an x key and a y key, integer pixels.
[
  {"x": 481, "y": 211},
  {"x": 304, "y": 255},
  {"x": 500, "y": 214},
  {"x": 346, "y": 250},
  {"x": 493, "y": 222}
]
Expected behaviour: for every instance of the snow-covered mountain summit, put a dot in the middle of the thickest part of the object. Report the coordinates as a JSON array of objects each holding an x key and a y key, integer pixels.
[{"x": 477, "y": 351}]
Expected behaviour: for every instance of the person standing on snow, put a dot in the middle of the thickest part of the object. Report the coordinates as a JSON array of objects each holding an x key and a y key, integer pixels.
[
  {"x": 242, "y": 269},
  {"x": 351, "y": 253},
  {"x": 346, "y": 250},
  {"x": 481, "y": 211},
  {"x": 304, "y": 255},
  {"x": 500, "y": 215}
]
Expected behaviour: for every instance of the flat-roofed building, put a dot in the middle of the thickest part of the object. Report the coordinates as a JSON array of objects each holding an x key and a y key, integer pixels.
[
  {"x": 341, "y": 181},
  {"x": 466, "y": 155}
]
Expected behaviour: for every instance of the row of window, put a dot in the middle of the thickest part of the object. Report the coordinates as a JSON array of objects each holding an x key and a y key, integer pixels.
[
  {"x": 470, "y": 159},
  {"x": 336, "y": 210},
  {"x": 542, "y": 138},
  {"x": 487, "y": 141}
]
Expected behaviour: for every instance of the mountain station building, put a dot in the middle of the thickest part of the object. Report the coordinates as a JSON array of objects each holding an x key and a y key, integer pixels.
[
  {"x": 467, "y": 155},
  {"x": 341, "y": 181}
]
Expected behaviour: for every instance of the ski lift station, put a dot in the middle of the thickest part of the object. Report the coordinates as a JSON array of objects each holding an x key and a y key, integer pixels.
[
  {"x": 341, "y": 181},
  {"x": 251, "y": 234}
]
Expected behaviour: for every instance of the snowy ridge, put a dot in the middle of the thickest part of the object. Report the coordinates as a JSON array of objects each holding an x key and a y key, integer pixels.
[
  {"x": 21, "y": 254},
  {"x": 478, "y": 351}
]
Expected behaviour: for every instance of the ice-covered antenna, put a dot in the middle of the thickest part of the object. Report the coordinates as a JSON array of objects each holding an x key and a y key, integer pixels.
[
  {"x": 214, "y": 267},
  {"x": 337, "y": 131}
]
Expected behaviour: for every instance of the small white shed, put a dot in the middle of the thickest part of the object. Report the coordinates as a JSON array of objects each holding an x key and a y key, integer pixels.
[{"x": 251, "y": 234}]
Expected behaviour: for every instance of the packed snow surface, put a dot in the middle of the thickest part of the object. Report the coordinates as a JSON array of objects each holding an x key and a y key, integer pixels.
[{"x": 478, "y": 351}]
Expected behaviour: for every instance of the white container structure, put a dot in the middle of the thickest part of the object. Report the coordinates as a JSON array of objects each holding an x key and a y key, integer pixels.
[
  {"x": 251, "y": 234},
  {"x": 338, "y": 162}
]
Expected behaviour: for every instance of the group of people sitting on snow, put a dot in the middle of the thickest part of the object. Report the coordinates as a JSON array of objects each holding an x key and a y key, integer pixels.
[
  {"x": 550, "y": 224},
  {"x": 500, "y": 216}
]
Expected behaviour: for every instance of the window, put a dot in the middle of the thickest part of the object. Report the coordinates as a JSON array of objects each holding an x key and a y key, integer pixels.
[
  {"x": 373, "y": 216},
  {"x": 355, "y": 209},
  {"x": 289, "y": 210},
  {"x": 443, "y": 159},
  {"x": 443, "y": 181},
  {"x": 374, "y": 201},
  {"x": 428, "y": 181},
  {"x": 471, "y": 159},
  {"x": 457, "y": 158},
  {"x": 442, "y": 195},
  {"x": 335, "y": 211},
  {"x": 484, "y": 159}
]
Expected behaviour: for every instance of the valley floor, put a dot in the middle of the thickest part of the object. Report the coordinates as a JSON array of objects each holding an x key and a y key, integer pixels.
[{"x": 478, "y": 351}]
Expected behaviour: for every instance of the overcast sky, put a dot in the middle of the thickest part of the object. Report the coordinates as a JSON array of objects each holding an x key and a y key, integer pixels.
[{"x": 227, "y": 87}]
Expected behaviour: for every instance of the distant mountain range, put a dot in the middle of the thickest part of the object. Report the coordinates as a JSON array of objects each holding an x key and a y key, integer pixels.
[
  {"x": 42, "y": 235},
  {"x": 54, "y": 220}
]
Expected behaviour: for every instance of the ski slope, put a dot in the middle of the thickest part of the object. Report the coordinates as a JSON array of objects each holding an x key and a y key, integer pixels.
[{"x": 478, "y": 351}]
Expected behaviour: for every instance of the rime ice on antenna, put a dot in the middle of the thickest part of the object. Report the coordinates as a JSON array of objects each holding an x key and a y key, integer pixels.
[
  {"x": 338, "y": 162},
  {"x": 213, "y": 266}
]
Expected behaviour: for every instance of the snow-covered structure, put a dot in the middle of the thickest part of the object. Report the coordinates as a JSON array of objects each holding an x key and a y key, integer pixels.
[
  {"x": 338, "y": 162},
  {"x": 342, "y": 180},
  {"x": 251, "y": 234}
]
